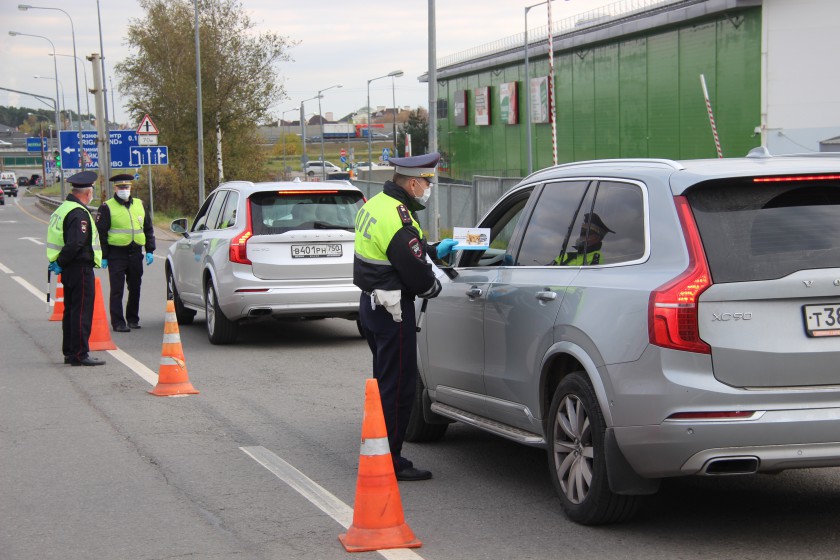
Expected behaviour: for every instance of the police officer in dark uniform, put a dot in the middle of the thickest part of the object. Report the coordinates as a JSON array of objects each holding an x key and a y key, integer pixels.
[
  {"x": 390, "y": 267},
  {"x": 125, "y": 230},
  {"x": 587, "y": 247},
  {"x": 73, "y": 251}
]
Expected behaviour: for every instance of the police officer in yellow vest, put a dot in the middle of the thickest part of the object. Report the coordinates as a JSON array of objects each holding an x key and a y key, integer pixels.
[
  {"x": 390, "y": 268},
  {"x": 126, "y": 230},
  {"x": 73, "y": 251},
  {"x": 587, "y": 248}
]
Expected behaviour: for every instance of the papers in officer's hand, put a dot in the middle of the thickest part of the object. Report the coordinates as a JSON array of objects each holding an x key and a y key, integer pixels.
[{"x": 471, "y": 238}]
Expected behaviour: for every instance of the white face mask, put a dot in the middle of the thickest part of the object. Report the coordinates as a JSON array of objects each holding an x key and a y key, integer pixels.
[
  {"x": 424, "y": 198},
  {"x": 123, "y": 193}
]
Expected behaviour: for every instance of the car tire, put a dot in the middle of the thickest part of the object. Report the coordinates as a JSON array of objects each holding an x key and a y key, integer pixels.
[
  {"x": 184, "y": 315},
  {"x": 418, "y": 430},
  {"x": 220, "y": 329},
  {"x": 310, "y": 173},
  {"x": 576, "y": 458}
]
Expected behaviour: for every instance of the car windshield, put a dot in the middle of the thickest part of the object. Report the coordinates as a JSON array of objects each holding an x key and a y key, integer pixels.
[{"x": 278, "y": 211}]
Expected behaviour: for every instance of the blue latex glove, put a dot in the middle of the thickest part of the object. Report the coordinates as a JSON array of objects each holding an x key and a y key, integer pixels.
[
  {"x": 444, "y": 248},
  {"x": 104, "y": 263},
  {"x": 150, "y": 258},
  {"x": 55, "y": 267}
]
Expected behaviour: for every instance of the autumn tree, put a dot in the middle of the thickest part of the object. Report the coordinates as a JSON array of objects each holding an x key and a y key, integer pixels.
[
  {"x": 417, "y": 126},
  {"x": 239, "y": 82}
]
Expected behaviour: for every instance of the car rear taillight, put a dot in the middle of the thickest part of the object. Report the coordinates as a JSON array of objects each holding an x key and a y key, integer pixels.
[
  {"x": 238, "y": 245},
  {"x": 672, "y": 311}
]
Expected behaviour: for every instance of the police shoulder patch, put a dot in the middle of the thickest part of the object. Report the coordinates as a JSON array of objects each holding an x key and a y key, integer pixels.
[
  {"x": 405, "y": 215},
  {"x": 84, "y": 225},
  {"x": 416, "y": 248}
]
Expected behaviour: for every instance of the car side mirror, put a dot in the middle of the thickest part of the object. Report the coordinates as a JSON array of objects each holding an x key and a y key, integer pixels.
[{"x": 180, "y": 226}]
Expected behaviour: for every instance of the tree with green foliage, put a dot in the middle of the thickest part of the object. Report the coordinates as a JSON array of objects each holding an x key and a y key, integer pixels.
[
  {"x": 417, "y": 126},
  {"x": 239, "y": 82}
]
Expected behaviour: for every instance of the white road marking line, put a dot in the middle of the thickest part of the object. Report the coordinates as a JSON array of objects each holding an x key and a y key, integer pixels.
[
  {"x": 134, "y": 365},
  {"x": 319, "y": 496},
  {"x": 120, "y": 355},
  {"x": 35, "y": 291},
  {"x": 6, "y": 269}
]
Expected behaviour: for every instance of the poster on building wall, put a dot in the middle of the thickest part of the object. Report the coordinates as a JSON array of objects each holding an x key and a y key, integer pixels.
[
  {"x": 539, "y": 100},
  {"x": 508, "y": 103},
  {"x": 461, "y": 108},
  {"x": 481, "y": 101}
]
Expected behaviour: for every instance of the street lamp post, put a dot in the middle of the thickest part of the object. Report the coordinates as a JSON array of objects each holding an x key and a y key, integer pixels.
[
  {"x": 394, "y": 102},
  {"x": 284, "y": 132},
  {"x": 321, "y": 117},
  {"x": 392, "y": 74},
  {"x": 62, "y": 107},
  {"x": 303, "y": 129},
  {"x": 528, "y": 90},
  {"x": 87, "y": 89},
  {"x": 55, "y": 69},
  {"x": 25, "y": 7}
]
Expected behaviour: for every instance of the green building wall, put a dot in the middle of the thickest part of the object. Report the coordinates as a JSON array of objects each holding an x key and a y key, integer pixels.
[{"x": 638, "y": 96}]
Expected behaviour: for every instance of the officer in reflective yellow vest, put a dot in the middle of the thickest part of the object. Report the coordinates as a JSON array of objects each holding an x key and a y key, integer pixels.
[
  {"x": 390, "y": 267},
  {"x": 586, "y": 250},
  {"x": 126, "y": 230},
  {"x": 73, "y": 251}
]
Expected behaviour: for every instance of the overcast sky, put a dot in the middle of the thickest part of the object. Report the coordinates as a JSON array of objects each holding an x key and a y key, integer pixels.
[{"x": 340, "y": 42}]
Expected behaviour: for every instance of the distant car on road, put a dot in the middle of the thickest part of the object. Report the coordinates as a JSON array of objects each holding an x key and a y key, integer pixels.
[
  {"x": 258, "y": 250},
  {"x": 317, "y": 167},
  {"x": 8, "y": 182}
]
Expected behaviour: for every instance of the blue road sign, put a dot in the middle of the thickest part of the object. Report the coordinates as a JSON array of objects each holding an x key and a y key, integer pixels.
[
  {"x": 125, "y": 153},
  {"x": 149, "y": 155},
  {"x": 33, "y": 144},
  {"x": 343, "y": 159},
  {"x": 386, "y": 153}
]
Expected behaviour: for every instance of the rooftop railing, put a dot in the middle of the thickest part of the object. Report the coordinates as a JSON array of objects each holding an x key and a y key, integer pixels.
[{"x": 592, "y": 18}]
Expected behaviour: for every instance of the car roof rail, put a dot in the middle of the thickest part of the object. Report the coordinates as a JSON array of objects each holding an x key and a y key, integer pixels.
[
  {"x": 763, "y": 152},
  {"x": 675, "y": 165}
]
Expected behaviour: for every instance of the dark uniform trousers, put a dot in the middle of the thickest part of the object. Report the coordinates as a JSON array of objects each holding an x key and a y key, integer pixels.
[
  {"x": 79, "y": 291},
  {"x": 394, "y": 348},
  {"x": 125, "y": 264}
]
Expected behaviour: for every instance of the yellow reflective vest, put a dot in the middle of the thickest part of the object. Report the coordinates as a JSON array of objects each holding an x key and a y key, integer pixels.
[
  {"x": 55, "y": 232},
  {"x": 126, "y": 223}
]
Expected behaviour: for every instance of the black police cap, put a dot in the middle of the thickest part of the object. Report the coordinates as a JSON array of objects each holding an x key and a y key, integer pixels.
[{"x": 83, "y": 179}]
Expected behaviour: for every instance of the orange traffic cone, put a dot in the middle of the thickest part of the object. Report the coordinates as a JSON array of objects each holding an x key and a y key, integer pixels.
[
  {"x": 378, "y": 520},
  {"x": 100, "y": 333},
  {"x": 58, "y": 308},
  {"x": 172, "y": 375}
]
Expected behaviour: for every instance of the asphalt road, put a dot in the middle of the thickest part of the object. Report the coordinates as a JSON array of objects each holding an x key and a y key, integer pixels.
[{"x": 92, "y": 466}]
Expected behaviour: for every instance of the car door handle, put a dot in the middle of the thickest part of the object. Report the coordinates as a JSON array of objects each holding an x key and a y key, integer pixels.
[
  {"x": 546, "y": 296},
  {"x": 474, "y": 292}
]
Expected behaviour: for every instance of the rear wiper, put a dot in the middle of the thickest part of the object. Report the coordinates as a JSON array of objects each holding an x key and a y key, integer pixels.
[{"x": 327, "y": 225}]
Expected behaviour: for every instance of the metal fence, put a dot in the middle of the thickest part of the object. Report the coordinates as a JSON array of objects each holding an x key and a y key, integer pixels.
[
  {"x": 599, "y": 16},
  {"x": 459, "y": 204}
]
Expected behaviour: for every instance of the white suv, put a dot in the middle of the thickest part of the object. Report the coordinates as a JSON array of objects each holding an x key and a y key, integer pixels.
[{"x": 315, "y": 168}]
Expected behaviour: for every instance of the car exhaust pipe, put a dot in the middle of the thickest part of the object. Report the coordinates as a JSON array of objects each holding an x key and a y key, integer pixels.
[
  {"x": 731, "y": 465},
  {"x": 259, "y": 312}
]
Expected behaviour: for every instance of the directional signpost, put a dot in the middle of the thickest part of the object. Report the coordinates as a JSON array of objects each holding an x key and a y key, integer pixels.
[
  {"x": 125, "y": 152},
  {"x": 34, "y": 143}
]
